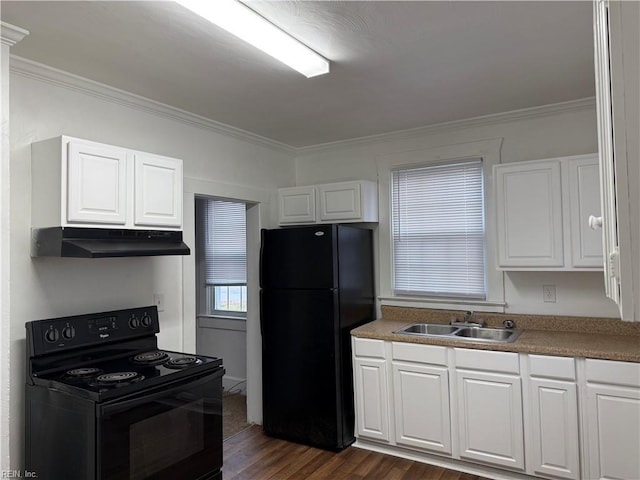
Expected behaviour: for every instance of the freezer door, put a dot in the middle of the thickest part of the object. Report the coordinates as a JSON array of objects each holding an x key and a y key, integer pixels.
[
  {"x": 302, "y": 369},
  {"x": 299, "y": 257}
]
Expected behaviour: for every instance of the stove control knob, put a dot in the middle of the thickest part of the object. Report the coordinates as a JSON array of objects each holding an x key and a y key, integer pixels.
[
  {"x": 68, "y": 332},
  {"x": 134, "y": 322},
  {"x": 52, "y": 335},
  {"x": 146, "y": 320}
]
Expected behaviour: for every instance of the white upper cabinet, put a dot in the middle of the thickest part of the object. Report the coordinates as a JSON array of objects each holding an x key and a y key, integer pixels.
[
  {"x": 529, "y": 201},
  {"x": 297, "y": 205},
  {"x": 78, "y": 183},
  {"x": 97, "y": 184},
  {"x": 342, "y": 202},
  {"x": 157, "y": 191},
  {"x": 584, "y": 203},
  {"x": 543, "y": 211}
]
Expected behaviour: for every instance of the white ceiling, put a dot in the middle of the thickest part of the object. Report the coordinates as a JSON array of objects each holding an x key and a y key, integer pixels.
[{"x": 394, "y": 65}]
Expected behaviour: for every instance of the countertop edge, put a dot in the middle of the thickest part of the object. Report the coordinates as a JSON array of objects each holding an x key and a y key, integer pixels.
[{"x": 586, "y": 345}]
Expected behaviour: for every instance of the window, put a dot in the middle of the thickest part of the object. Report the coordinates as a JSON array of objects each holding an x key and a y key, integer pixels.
[
  {"x": 437, "y": 227},
  {"x": 223, "y": 263}
]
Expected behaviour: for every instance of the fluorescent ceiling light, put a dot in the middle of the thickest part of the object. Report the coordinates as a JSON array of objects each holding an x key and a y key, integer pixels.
[{"x": 247, "y": 25}]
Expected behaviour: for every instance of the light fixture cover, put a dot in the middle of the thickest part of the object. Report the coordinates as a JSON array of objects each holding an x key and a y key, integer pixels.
[{"x": 254, "y": 29}]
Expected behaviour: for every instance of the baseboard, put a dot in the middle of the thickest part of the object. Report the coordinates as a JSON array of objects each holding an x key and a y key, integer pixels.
[
  {"x": 445, "y": 462},
  {"x": 234, "y": 385}
]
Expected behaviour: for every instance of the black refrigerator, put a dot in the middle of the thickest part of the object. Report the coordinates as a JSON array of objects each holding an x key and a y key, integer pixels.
[{"x": 316, "y": 286}]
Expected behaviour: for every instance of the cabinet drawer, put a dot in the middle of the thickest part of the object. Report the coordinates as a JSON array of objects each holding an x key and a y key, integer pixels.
[
  {"x": 368, "y": 347},
  {"x": 609, "y": 371},
  {"x": 413, "y": 352},
  {"x": 501, "y": 362},
  {"x": 562, "y": 368}
]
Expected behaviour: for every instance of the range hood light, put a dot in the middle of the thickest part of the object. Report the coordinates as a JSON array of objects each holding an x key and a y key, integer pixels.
[{"x": 247, "y": 25}]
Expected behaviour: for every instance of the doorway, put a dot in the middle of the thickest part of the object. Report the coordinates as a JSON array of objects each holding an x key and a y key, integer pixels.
[
  {"x": 221, "y": 286},
  {"x": 244, "y": 373}
]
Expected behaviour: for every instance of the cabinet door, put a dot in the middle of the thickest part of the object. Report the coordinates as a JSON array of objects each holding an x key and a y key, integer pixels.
[
  {"x": 341, "y": 201},
  {"x": 158, "y": 191},
  {"x": 421, "y": 404},
  {"x": 584, "y": 200},
  {"x": 96, "y": 184},
  {"x": 616, "y": 26},
  {"x": 372, "y": 404},
  {"x": 554, "y": 421},
  {"x": 490, "y": 418},
  {"x": 613, "y": 425},
  {"x": 529, "y": 216},
  {"x": 297, "y": 205}
]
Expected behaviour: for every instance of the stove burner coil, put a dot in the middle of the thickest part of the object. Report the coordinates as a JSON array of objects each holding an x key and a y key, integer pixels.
[
  {"x": 83, "y": 372},
  {"x": 151, "y": 358},
  {"x": 117, "y": 377},
  {"x": 183, "y": 362}
]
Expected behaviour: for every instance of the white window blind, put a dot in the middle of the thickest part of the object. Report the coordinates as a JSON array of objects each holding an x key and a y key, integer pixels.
[
  {"x": 438, "y": 230},
  {"x": 225, "y": 243}
]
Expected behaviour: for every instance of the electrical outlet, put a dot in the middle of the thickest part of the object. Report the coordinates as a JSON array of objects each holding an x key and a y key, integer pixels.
[
  {"x": 158, "y": 301},
  {"x": 549, "y": 293}
]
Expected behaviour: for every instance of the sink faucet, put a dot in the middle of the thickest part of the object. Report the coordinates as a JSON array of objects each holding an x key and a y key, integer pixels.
[{"x": 465, "y": 321}]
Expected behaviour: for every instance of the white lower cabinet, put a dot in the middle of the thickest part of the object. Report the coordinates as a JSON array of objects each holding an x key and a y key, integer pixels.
[
  {"x": 489, "y": 400},
  {"x": 554, "y": 440},
  {"x": 613, "y": 420},
  {"x": 537, "y": 415},
  {"x": 421, "y": 397},
  {"x": 371, "y": 389}
]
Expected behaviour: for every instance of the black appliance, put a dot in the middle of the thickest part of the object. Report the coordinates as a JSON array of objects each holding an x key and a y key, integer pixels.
[
  {"x": 317, "y": 285},
  {"x": 105, "y": 242},
  {"x": 103, "y": 403}
]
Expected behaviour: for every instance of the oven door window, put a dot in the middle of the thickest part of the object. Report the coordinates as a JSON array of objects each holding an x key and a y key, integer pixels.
[{"x": 171, "y": 432}]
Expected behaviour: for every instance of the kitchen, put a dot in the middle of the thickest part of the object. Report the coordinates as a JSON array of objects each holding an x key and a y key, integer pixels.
[{"x": 223, "y": 161}]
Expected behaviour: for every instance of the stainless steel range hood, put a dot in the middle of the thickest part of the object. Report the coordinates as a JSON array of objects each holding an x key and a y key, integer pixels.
[{"x": 105, "y": 242}]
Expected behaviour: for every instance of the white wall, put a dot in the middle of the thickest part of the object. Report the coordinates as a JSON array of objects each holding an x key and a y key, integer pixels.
[
  {"x": 560, "y": 130},
  {"x": 51, "y": 287}
]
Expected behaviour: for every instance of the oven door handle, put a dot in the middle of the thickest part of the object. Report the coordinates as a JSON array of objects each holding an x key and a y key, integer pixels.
[{"x": 110, "y": 409}]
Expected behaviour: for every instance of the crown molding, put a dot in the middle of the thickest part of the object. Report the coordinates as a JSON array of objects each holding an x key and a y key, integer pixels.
[
  {"x": 495, "y": 118},
  {"x": 10, "y": 34},
  {"x": 44, "y": 73}
]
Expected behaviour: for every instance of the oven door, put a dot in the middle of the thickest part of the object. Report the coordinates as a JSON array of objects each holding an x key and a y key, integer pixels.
[{"x": 168, "y": 432}]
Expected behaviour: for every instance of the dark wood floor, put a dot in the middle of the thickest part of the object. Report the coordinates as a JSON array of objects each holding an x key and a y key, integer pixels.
[{"x": 251, "y": 455}]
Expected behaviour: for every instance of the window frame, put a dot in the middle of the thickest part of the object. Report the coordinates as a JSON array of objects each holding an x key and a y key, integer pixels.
[
  {"x": 203, "y": 298},
  {"x": 489, "y": 151},
  {"x": 479, "y": 235}
]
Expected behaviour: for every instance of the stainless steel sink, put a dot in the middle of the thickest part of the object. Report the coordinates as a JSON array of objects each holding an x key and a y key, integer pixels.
[
  {"x": 490, "y": 334},
  {"x": 429, "y": 329},
  {"x": 476, "y": 334}
]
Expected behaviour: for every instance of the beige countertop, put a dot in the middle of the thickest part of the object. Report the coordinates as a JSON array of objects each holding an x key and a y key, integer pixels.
[{"x": 609, "y": 345}]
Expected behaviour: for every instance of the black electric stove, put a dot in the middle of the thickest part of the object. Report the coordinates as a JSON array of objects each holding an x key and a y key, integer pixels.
[{"x": 103, "y": 402}]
